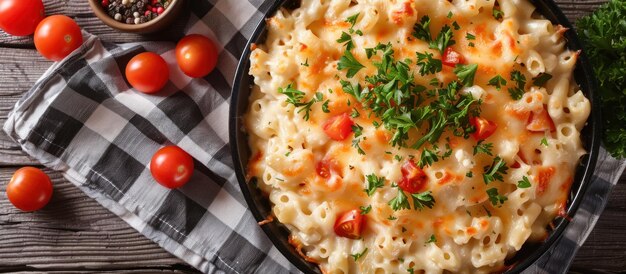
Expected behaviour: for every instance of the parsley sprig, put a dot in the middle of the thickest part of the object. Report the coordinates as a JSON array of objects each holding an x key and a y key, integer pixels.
[
  {"x": 495, "y": 198},
  {"x": 349, "y": 63},
  {"x": 495, "y": 171},
  {"x": 373, "y": 183},
  {"x": 295, "y": 97},
  {"x": 420, "y": 200},
  {"x": 518, "y": 91}
]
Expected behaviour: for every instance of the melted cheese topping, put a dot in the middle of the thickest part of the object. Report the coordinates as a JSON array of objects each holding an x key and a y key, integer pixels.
[{"x": 472, "y": 234}]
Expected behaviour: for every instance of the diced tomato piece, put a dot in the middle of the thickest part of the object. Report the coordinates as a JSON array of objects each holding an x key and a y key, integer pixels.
[
  {"x": 413, "y": 177},
  {"x": 540, "y": 122},
  {"x": 484, "y": 128},
  {"x": 338, "y": 127},
  {"x": 350, "y": 224},
  {"x": 326, "y": 167},
  {"x": 452, "y": 58}
]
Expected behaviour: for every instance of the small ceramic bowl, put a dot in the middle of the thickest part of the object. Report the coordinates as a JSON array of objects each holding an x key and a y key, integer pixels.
[{"x": 158, "y": 23}]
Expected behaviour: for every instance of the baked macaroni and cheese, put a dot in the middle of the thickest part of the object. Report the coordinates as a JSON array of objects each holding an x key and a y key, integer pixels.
[{"x": 415, "y": 136}]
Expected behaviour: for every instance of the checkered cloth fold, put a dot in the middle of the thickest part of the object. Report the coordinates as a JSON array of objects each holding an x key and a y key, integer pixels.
[{"x": 83, "y": 119}]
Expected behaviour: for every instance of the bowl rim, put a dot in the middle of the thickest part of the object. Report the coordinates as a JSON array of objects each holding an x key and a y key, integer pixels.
[
  {"x": 586, "y": 165},
  {"x": 97, "y": 9}
]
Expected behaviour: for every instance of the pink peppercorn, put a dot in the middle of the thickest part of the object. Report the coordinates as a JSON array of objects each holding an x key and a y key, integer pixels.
[
  {"x": 154, "y": 9},
  {"x": 147, "y": 13},
  {"x": 105, "y": 3},
  {"x": 160, "y": 10}
]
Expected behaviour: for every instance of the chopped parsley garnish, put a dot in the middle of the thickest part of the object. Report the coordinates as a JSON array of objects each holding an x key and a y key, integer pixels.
[
  {"x": 421, "y": 30},
  {"x": 544, "y": 141},
  {"x": 495, "y": 198},
  {"x": 295, "y": 97},
  {"x": 347, "y": 40},
  {"x": 365, "y": 209},
  {"x": 355, "y": 113},
  {"x": 348, "y": 62},
  {"x": 355, "y": 144},
  {"x": 359, "y": 255},
  {"x": 466, "y": 73},
  {"x": 524, "y": 183},
  {"x": 456, "y": 25},
  {"x": 391, "y": 218},
  {"x": 471, "y": 44},
  {"x": 469, "y": 174},
  {"x": 516, "y": 93},
  {"x": 306, "y": 63},
  {"x": 398, "y": 158},
  {"x": 541, "y": 79},
  {"x": 352, "y": 20},
  {"x": 520, "y": 80},
  {"x": 373, "y": 183},
  {"x": 428, "y": 157},
  {"x": 483, "y": 148},
  {"x": 497, "y": 14},
  {"x": 432, "y": 239},
  {"x": 444, "y": 39},
  {"x": 433, "y": 82},
  {"x": 450, "y": 14},
  {"x": 495, "y": 171},
  {"x": 497, "y": 81},
  {"x": 424, "y": 199},
  {"x": 410, "y": 270},
  {"x": 400, "y": 201},
  {"x": 470, "y": 36},
  {"x": 325, "y": 107},
  {"x": 428, "y": 65}
]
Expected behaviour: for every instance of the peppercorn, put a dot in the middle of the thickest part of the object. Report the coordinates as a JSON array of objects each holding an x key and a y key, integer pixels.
[{"x": 135, "y": 11}]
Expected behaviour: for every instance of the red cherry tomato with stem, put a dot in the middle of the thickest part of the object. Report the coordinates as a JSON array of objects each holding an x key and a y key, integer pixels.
[
  {"x": 30, "y": 189},
  {"x": 350, "y": 224},
  {"x": 20, "y": 17},
  {"x": 147, "y": 72},
  {"x": 338, "y": 127},
  {"x": 196, "y": 55},
  {"x": 413, "y": 178},
  {"x": 57, "y": 36},
  {"x": 484, "y": 128},
  {"x": 171, "y": 166}
]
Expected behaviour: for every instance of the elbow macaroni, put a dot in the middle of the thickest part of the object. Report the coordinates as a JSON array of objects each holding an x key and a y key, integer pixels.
[{"x": 472, "y": 236}]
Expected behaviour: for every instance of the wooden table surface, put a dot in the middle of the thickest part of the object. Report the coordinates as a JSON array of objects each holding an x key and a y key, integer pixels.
[{"x": 75, "y": 234}]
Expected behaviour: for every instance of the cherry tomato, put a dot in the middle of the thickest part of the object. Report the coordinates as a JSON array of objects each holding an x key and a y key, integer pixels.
[
  {"x": 540, "y": 122},
  {"x": 147, "y": 72},
  {"x": 57, "y": 36},
  {"x": 196, "y": 55},
  {"x": 338, "y": 127},
  {"x": 171, "y": 166},
  {"x": 484, "y": 128},
  {"x": 413, "y": 178},
  {"x": 350, "y": 224},
  {"x": 451, "y": 57},
  {"x": 20, "y": 17},
  {"x": 30, "y": 189}
]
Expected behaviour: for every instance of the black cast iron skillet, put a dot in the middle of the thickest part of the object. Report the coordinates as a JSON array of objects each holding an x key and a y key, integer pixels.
[{"x": 278, "y": 234}]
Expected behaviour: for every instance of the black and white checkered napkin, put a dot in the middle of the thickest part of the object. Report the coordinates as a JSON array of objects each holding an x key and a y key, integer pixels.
[{"x": 82, "y": 118}]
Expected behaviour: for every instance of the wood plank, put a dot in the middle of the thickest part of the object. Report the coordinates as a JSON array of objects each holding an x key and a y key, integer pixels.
[{"x": 72, "y": 232}]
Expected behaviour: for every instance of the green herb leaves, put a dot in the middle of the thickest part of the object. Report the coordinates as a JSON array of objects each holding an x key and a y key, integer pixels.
[
  {"x": 495, "y": 171},
  {"x": 466, "y": 73},
  {"x": 520, "y": 80},
  {"x": 444, "y": 39},
  {"x": 428, "y": 65},
  {"x": 349, "y": 63},
  {"x": 295, "y": 97},
  {"x": 602, "y": 34},
  {"x": 541, "y": 79},
  {"x": 373, "y": 183},
  {"x": 524, "y": 183},
  {"x": 420, "y": 200},
  {"x": 497, "y": 81},
  {"x": 495, "y": 198}
]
